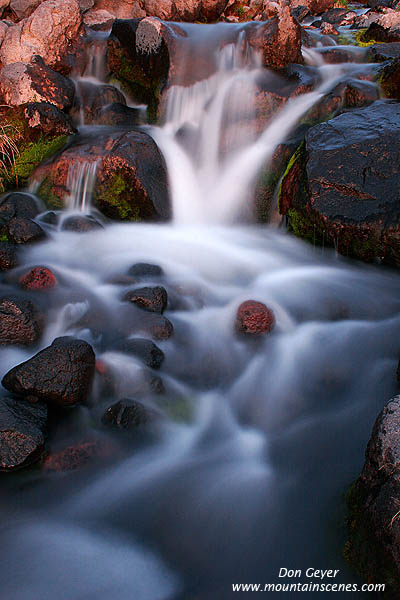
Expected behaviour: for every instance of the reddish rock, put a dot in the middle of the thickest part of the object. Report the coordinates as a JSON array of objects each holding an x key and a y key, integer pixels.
[
  {"x": 158, "y": 326},
  {"x": 254, "y": 318},
  {"x": 152, "y": 299},
  {"x": 126, "y": 414},
  {"x": 74, "y": 457},
  {"x": 38, "y": 278},
  {"x": 20, "y": 322},
  {"x": 22, "y": 429},
  {"x": 61, "y": 374},
  {"x": 8, "y": 256}
]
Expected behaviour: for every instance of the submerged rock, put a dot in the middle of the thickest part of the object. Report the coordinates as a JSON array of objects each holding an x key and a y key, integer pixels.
[
  {"x": 22, "y": 429},
  {"x": 254, "y": 318},
  {"x": 17, "y": 212},
  {"x": 74, "y": 457},
  {"x": 145, "y": 271},
  {"x": 91, "y": 98},
  {"x": 38, "y": 278},
  {"x": 61, "y": 374},
  {"x": 8, "y": 256},
  {"x": 81, "y": 224},
  {"x": 144, "y": 349},
  {"x": 131, "y": 179},
  {"x": 126, "y": 414},
  {"x": 20, "y": 322},
  {"x": 152, "y": 299},
  {"x": 342, "y": 186},
  {"x": 374, "y": 502}
]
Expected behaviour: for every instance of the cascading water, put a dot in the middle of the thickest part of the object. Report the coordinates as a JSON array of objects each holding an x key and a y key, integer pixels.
[
  {"x": 246, "y": 471},
  {"x": 80, "y": 182}
]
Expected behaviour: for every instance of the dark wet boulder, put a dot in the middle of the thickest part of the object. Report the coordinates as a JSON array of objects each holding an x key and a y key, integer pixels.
[
  {"x": 8, "y": 256},
  {"x": 81, "y": 224},
  {"x": 61, "y": 374},
  {"x": 17, "y": 212},
  {"x": 328, "y": 29},
  {"x": 360, "y": 93},
  {"x": 143, "y": 349},
  {"x": 131, "y": 178},
  {"x": 126, "y": 414},
  {"x": 383, "y": 52},
  {"x": 152, "y": 299},
  {"x": 20, "y": 322},
  {"x": 158, "y": 326},
  {"x": 373, "y": 547},
  {"x": 254, "y": 318},
  {"x": 342, "y": 186},
  {"x": 386, "y": 28},
  {"x": 38, "y": 278},
  {"x": 75, "y": 456},
  {"x": 22, "y": 83},
  {"x": 48, "y": 119},
  {"x": 300, "y": 13},
  {"x": 339, "y": 16},
  {"x": 22, "y": 432},
  {"x": 117, "y": 114},
  {"x": 145, "y": 271}
]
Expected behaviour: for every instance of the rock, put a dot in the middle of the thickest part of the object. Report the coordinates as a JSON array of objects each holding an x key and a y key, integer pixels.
[
  {"x": 383, "y": 52},
  {"x": 21, "y": 83},
  {"x": 374, "y": 545},
  {"x": 81, "y": 224},
  {"x": 152, "y": 299},
  {"x": 21, "y": 323},
  {"x": 126, "y": 414},
  {"x": 316, "y": 7},
  {"x": 124, "y": 9},
  {"x": 360, "y": 93},
  {"x": 23, "y": 8},
  {"x": 158, "y": 326},
  {"x": 91, "y": 98},
  {"x": 131, "y": 179},
  {"x": 211, "y": 10},
  {"x": 36, "y": 131},
  {"x": 74, "y": 457},
  {"x": 86, "y": 5},
  {"x": 48, "y": 32},
  {"x": 385, "y": 29},
  {"x": 389, "y": 79},
  {"x": 342, "y": 185},
  {"x": 254, "y": 318},
  {"x": 145, "y": 271},
  {"x": 48, "y": 119},
  {"x": 16, "y": 213},
  {"x": 300, "y": 13},
  {"x": 38, "y": 278},
  {"x": 328, "y": 29},
  {"x": 3, "y": 5},
  {"x": 339, "y": 16},
  {"x": 61, "y": 374},
  {"x": 99, "y": 20},
  {"x": 22, "y": 433},
  {"x": 119, "y": 114},
  {"x": 8, "y": 256},
  {"x": 143, "y": 349}
]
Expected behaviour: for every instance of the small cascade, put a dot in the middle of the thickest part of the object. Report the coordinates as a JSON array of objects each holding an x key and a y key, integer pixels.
[{"x": 80, "y": 182}]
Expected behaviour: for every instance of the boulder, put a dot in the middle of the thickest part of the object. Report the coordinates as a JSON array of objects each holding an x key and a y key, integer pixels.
[
  {"x": 8, "y": 256},
  {"x": 81, "y": 224},
  {"x": 152, "y": 299},
  {"x": 386, "y": 28},
  {"x": 21, "y": 83},
  {"x": 3, "y": 5},
  {"x": 123, "y": 9},
  {"x": 22, "y": 433},
  {"x": 46, "y": 118},
  {"x": 131, "y": 179},
  {"x": 17, "y": 212},
  {"x": 389, "y": 79},
  {"x": 91, "y": 98},
  {"x": 126, "y": 414},
  {"x": 145, "y": 271},
  {"x": 99, "y": 20},
  {"x": 383, "y": 52},
  {"x": 116, "y": 114},
  {"x": 21, "y": 323},
  {"x": 61, "y": 374},
  {"x": 316, "y": 7},
  {"x": 342, "y": 185},
  {"x": 158, "y": 326},
  {"x": 374, "y": 545},
  {"x": 328, "y": 29},
  {"x": 23, "y": 8},
  {"x": 38, "y": 278},
  {"x": 339, "y": 17},
  {"x": 254, "y": 318},
  {"x": 48, "y": 32}
]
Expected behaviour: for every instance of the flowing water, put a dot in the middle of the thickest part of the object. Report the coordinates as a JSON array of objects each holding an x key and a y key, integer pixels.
[{"x": 247, "y": 472}]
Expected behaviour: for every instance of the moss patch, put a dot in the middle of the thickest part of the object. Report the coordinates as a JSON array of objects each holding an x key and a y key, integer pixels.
[
  {"x": 114, "y": 198},
  {"x": 361, "y": 40}
]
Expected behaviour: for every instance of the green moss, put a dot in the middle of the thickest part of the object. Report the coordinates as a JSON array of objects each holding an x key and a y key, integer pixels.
[
  {"x": 360, "y": 40},
  {"x": 114, "y": 199},
  {"x": 295, "y": 157},
  {"x": 4, "y": 237},
  {"x": 47, "y": 193},
  {"x": 30, "y": 157}
]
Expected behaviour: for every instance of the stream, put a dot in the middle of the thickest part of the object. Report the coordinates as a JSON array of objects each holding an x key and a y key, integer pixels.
[{"x": 246, "y": 473}]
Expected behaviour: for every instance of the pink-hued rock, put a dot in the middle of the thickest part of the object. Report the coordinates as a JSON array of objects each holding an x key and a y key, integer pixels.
[
  {"x": 254, "y": 318},
  {"x": 48, "y": 31},
  {"x": 99, "y": 19},
  {"x": 38, "y": 278},
  {"x": 23, "y": 8},
  {"x": 75, "y": 457},
  {"x": 3, "y": 5}
]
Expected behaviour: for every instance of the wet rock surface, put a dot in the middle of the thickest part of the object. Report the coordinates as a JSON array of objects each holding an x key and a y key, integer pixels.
[
  {"x": 374, "y": 544},
  {"x": 152, "y": 299},
  {"x": 254, "y": 318},
  {"x": 20, "y": 322},
  {"x": 61, "y": 374},
  {"x": 126, "y": 414},
  {"x": 74, "y": 457},
  {"x": 38, "y": 278},
  {"x": 143, "y": 349},
  {"x": 8, "y": 256},
  {"x": 22, "y": 432},
  {"x": 342, "y": 184},
  {"x": 81, "y": 224},
  {"x": 145, "y": 271},
  {"x": 17, "y": 211}
]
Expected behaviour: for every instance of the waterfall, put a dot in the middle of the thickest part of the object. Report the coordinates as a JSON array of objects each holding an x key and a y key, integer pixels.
[
  {"x": 210, "y": 141},
  {"x": 80, "y": 183}
]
